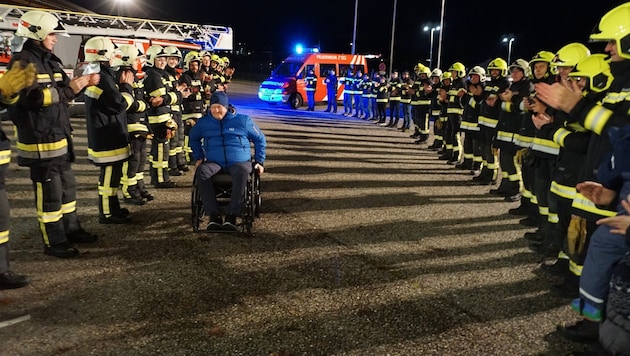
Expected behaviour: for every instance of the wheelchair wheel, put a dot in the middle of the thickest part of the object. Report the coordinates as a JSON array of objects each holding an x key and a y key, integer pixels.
[
  {"x": 249, "y": 210},
  {"x": 257, "y": 196},
  {"x": 196, "y": 206}
]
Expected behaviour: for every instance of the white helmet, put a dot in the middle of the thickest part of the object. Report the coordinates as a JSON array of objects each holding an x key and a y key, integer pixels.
[
  {"x": 173, "y": 51},
  {"x": 523, "y": 65},
  {"x": 437, "y": 72},
  {"x": 125, "y": 55},
  {"x": 98, "y": 49},
  {"x": 479, "y": 71},
  {"x": 39, "y": 24},
  {"x": 154, "y": 52}
]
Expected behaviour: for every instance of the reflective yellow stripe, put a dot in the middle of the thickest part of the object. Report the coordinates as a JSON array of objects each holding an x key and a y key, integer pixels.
[
  {"x": 597, "y": 118},
  {"x": 93, "y": 92},
  {"x": 563, "y": 191},
  {"x": 42, "y": 150},
  {"x": 47, "y": 101},
  {"x": 128, "y": 98},
  {"x": 560, "y": 135},
  {"x": 109, "y": 156},
  {"x": 159, "y": 119},
  {"x": 5, "y": 157},
  {"x": 10, "y": 100},
  {"x": 4, "y": 237},
  {"x": 68, "y": 208},
  {"x": 196, "y": 115},
  {"x": 487, "y": 121},
  {"x": 137, "y": 127},
  {"x": 546, "y": 146},
  {"x": 158, "y": 92},
  {"x": 580, "y": 202},
  {"x": 575, "y": 268}
]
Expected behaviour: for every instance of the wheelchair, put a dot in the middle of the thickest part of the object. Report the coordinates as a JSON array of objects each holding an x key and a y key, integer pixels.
[{"x": 222, "y": 182}]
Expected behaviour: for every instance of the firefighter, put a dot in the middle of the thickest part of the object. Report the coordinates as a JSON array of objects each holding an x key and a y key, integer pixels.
[
  {"x": 311, "y": 87},
  {"x": 431, "y": 90},
  {"x": 43, "y": 107},
  {"x": 132, "y": 182},
  {"x": 108, "y": 138},
  {"x": 331, "y": 91},
  {"x": 489, "y": 117},
  {"x": 160, "y": 97},
  {"x": 405, "y": 99},
  {"x": 421, "y": 105},
  {"x": 176, "y": 158},
  {"x": 11, "y": 83},
  {"x": 192, "y": 105},
  {"x": 374, "y": 82},
  {"x": 382, "y": 97},
  {"x": 228, "y": 71},
  {"x": 394, "y": 85},
  {"x": 472, "y": 145},
  {"x": 356, "y": 93},
  {"x": 206, "y": 75},
  {"x": 366, "y": 95},
  {"x": 510, "y": 119},
  {"x": 348, "y": 91},
  {"x": 442, "y": 99},
  {"x": 454, "y": 112}
]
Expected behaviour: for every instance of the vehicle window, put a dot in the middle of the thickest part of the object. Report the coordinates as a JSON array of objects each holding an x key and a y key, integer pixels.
[
  {"x": 359, "y": 68},
  {"x": 324, "y": 69},
  {"x": 288, "y": 68}
]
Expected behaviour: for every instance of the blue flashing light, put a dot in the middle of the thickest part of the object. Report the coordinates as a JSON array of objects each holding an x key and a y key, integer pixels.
[
  {"x": 315, "y": 50},
  {"x": 299, "y": 49}
]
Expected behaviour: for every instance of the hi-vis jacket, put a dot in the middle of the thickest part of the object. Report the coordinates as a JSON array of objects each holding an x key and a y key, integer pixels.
[
  {"x": 156, "y": 84},
  {"x": 489, "y": 115},
  {"x": 193, "y": 104},
  {"x": 455, "y": 107},
  {"x": 511, "y": 115},
  {"x": 105, "y": 106},
  {"x": 136, "y": 113},
  {"x": 40, "y": 112}
]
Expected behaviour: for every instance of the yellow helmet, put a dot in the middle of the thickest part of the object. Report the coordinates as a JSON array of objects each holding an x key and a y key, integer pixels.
[
  {"x": 523, "y": 66},
  {"x": 569, "y": 55},
  {"x": 98, "y": 49},
  {"x": 596, "y": 68},
  {"x": 226, "y": 61},
  {"x": 190, "y": 57},
  {"x": 615, "y": 26},
  {"x": 37, "y": 25},
  {"x": 479, "y": 71},
  {"x": 215, "y": 57},
  {"x": 459, "y": 68},
  {"x": 125, "y": 55},
  {"x": 499, "y": 64},
  {"x": 153, "y": 52},
  {"x": 542, "y": 56},
  {"x": 447, "y": 75}
]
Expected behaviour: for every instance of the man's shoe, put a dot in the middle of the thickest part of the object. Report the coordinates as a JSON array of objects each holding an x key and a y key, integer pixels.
[
  {"x": 175, "y": 173},
  {"x": 568, "y": 289},
  {"x": 146, "y": 195},
  {"x": 114, "y": 220},
  {"x": 584, "y": 331},
  {"x": 230, "y": 223},
  {"x": 216, "y": 223},
  {"x": 499, "y": 191},
  {"x": 183, "y": 168},
  {"x": 122, "y": 212},
  {"x": 135, "y": 200},
  {"x": 62, "y": 250},
  {"x": 534, "y": 237},
  {"x": 528, "y": 221},
  {"x": 559, "y": 268},
  {"x": 520, "y": 211},
  {"x": 10, "y": 280},
  {"x": 512, "y": 198},
  {"x": 81, "y": 237},
  {"x": 544, "y": 249},
  {"x": 166, "y": 185}
]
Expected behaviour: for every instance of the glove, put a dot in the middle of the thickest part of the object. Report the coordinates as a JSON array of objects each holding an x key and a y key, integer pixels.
[
  {"x": 495, "y": 151},
  {"x": 171, "y": 128},
  {"x": 576, "y": 235},
  {"x": 17, "y": 78},
  {"x": 438, "y": 124}
]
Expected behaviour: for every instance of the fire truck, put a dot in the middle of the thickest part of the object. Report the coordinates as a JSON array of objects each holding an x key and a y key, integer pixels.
[{"x": 122, "y": 30}]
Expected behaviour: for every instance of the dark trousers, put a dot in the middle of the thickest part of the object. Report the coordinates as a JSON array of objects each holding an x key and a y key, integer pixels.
[
  {"x": 332, "y": 101},
  {"x": 394, "y": 112},
  {"x": 176, "y": 144},
  {"x": 159, "y": 161},
  {"x": 134, "y": 167},
  {"x": 108, "y": 183},
  {"x": 4, "y": 221},
  {"x": 238, "y": 171},
  {"x": 382, "y": 111},
  {"x": 310, "y": 99},
  {"x": 511, "y": 182},
  {"x": 55, "y": 198}
]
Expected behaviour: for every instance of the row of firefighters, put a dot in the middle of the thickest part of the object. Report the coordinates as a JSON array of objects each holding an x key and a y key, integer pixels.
[{"x": 540, "y": 165}]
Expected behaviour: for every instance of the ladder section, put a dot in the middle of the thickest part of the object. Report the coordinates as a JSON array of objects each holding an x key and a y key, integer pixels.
[{"x": 210, "y": 37}]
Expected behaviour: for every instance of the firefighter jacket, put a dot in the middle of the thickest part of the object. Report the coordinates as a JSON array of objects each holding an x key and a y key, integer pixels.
[
  {"x": 192, "y": 106},
  {"x": 40, "y": 112},
  {"x": 366, "y": 87},
  {"x": 156, "y": 84},
  {"x": 527, "y": 131},
  {"x": 455, "y": 107},
  {"x": 489, "y": 115},
  {"x": 311, "y": 82},
  {"x": 227, "y": 141},
  {"x": 348, "y": 84},
  {"x": 382, "y": 93},
  {"x": 176, "y": 107},
  {"x": 394, "y": 86},
  {"x": 137, "y": 111},
  {"x": 105, "y": 109},
  {"x": 511, "y": 115},
  {"x": 472, "y": 104}
]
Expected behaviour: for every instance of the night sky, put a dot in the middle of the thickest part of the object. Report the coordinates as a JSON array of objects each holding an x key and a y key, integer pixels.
[{"x": 472, "y": 35}]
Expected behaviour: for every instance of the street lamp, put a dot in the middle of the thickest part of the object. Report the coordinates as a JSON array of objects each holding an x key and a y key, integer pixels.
[
  {"x": 432, "y": 29},
  {"x": 509, "y": 39},
  {"x": 354, "y": 32}
]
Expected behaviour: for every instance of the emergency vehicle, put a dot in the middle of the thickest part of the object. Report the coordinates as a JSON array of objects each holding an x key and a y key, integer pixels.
[
  {"x": 286, "y": 83},
  {"x": 122, "y": 30}
]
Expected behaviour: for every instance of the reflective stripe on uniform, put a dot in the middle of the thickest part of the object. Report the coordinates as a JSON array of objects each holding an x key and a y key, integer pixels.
[
  {"x": 42, "y": 150},
  {"x": 93, "y": 92},
  {"x": 116, "y": 155}
]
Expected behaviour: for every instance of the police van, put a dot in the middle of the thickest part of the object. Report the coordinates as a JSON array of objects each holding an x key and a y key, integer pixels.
[{"x": 286, "y": 83}]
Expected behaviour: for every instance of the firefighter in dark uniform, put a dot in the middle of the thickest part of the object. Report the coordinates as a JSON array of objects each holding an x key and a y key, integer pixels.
[
  {"x": 454, "y": 112},
  {"x": 108, "y": 138},
  {"x": 160, "y": 97},
  {"x": 510, "y": 119},
  {"x": 11, "y": 83},
  {"x": 421, "y": 104},
  {"x": 193, "y": 105},
  {"x": 406, "y": 83},
  {"x": 356, "y": 93},
  {"x": 132, "y": 181},
  {"x": 394, "y": 85},
  {"x": 43, "y": 107},
  {"x": 489, "y": 118},
  {"x": 311, "y": 87},
  {"x": 382, "y": 97},
  {"x": 442, "y": 97},
  {"x": 434, "y": 113},
  {"x": 176, "y": 159},
  {"x": 472, "y": 145},
  {"x": 206, "y": 75}
]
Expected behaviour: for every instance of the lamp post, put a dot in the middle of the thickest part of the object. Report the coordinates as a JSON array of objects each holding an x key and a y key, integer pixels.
[
  {"x": 432, "y": 29},
  {"x": 354, "y": 33},
  {"x": 439, "y": 56},
  {"x": 391, "y": 51},
  {"x": 509, "y": 39}
]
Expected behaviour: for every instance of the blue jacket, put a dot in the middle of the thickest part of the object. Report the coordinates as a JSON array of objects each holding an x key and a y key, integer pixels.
[{"x": 227, "y": 141}]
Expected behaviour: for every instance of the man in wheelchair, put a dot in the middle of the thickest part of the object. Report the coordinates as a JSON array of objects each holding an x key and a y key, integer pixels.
[{"x": 220, "y": 142}]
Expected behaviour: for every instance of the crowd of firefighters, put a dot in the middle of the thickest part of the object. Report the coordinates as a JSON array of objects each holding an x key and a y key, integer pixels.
[
  {"x": 495, "y": 120},
  {"x": 516, "y": 119}
]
